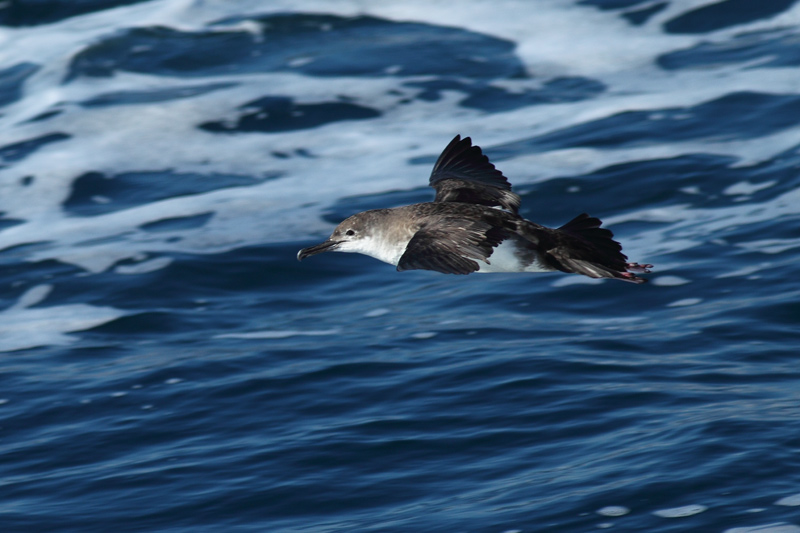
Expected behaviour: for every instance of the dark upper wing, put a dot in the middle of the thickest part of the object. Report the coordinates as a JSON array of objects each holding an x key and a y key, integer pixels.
[
  {"x": 450, "y": 245},
  {"x": 463, "y": 174}
]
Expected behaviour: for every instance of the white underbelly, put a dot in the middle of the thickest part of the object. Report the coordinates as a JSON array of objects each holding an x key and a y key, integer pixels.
[{"x": 505, "y": 259}]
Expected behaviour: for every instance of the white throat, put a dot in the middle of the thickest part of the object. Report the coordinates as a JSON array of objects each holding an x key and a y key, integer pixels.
[{"x": 381, "y": 249}]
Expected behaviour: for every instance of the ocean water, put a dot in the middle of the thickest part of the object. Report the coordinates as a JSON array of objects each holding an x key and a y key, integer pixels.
[{"x": 166, "y": 364}]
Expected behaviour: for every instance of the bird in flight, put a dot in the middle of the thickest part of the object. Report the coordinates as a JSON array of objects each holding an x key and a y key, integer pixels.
[{"x": 473, "y": 225}]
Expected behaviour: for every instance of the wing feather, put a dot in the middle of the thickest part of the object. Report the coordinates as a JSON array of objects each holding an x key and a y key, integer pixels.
[
  {"x": 451, "y": 246},
  {"x": 464, "y": 174}
]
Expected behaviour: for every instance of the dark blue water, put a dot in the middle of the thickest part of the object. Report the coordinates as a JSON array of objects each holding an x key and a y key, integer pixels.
[{"x": 166, "y": 364}]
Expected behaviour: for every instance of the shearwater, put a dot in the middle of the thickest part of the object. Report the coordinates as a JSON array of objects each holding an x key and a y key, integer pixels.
[{"x": 473, "y": 225}]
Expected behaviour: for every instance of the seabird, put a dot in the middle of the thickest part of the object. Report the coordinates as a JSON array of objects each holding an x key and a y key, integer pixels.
[{"x": 473, "y": 225}]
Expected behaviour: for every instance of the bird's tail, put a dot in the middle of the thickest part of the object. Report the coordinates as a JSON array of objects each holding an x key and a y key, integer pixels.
[{"x": 586, "y": 248}]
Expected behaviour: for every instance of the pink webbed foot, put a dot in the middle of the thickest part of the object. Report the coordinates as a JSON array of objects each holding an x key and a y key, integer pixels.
[
  {"x": 643, "y": 268},
  {"x": 630, "y": 276}
]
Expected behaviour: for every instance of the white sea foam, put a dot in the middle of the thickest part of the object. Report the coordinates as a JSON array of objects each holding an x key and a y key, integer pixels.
[
  {"x": 377, "y": 312},
  {"x": 681, "y": 512},
  {"x": 566, "y": 281},
  {"x": 745, "y": 187},
  {"x": 23, "y": 326},
  {"x": 145, "y": 266},
  {"x": 685, "y": 302},
  {"x": 789, "y": 501},
  {"x": 613, "y": 510}
]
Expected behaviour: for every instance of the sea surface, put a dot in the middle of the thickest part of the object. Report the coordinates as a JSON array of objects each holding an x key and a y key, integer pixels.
[{"x": 166, "y": 364}]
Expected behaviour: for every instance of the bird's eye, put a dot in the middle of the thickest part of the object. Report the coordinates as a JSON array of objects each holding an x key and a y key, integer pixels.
[{"x": 349, "y": 232}]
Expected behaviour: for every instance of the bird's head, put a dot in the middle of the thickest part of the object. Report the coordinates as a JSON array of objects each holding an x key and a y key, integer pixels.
[{"x": 351, "y": 235}]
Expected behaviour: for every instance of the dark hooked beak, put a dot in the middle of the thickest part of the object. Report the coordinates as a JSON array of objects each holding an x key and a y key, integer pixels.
[{"x": 317, "y": 249}]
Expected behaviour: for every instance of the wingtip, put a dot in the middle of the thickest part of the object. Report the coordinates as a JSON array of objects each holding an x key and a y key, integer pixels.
[{"x": 458, "y": 140}]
